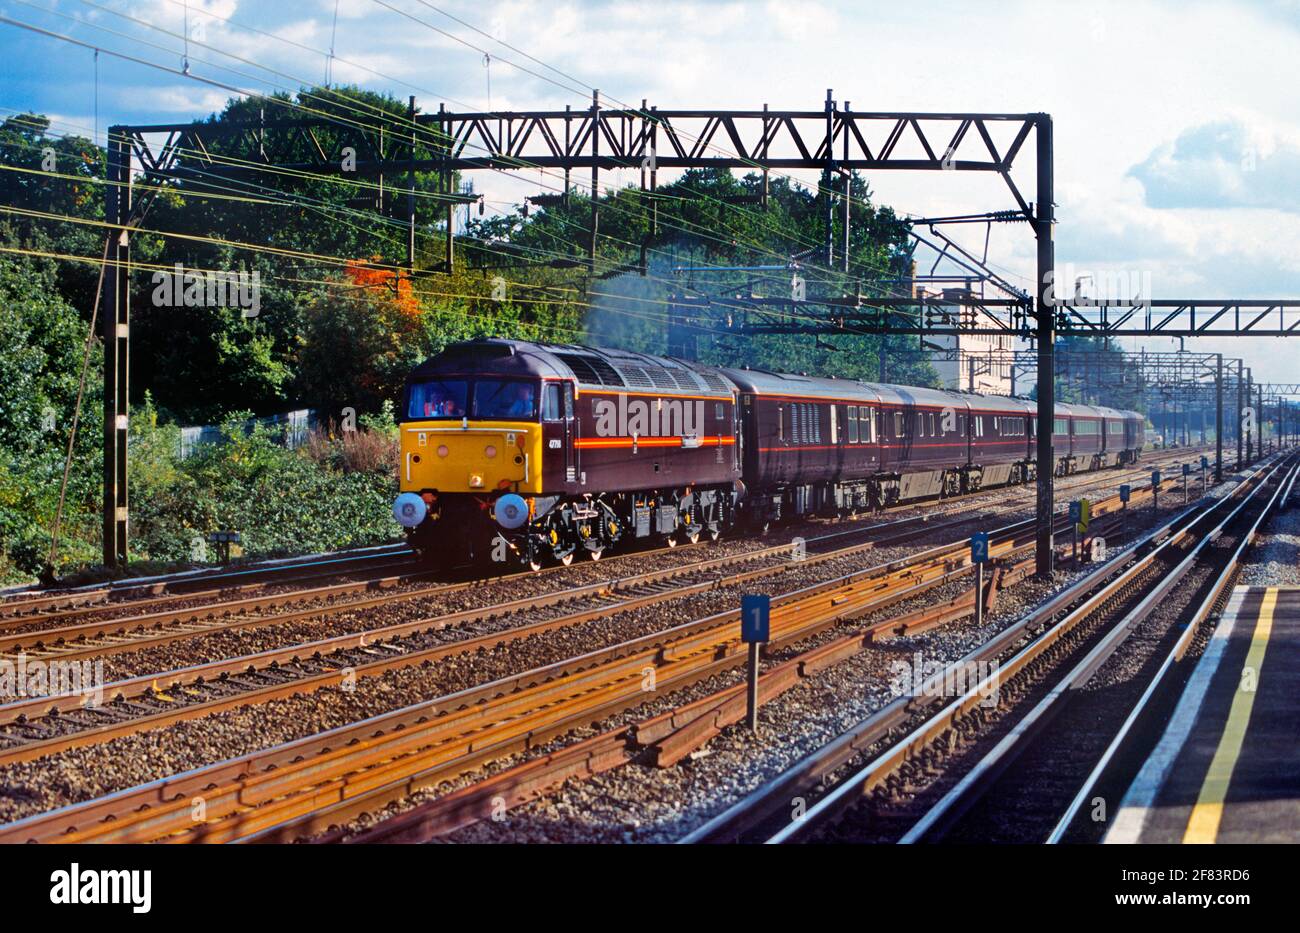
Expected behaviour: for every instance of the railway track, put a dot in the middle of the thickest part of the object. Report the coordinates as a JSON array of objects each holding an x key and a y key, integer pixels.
[
  {"x": 905, "y": 790},
  {"x": 37, "y": 726},
  {"x": 228, "y": 591},
  {"x": 521, "y": 710},
  {"x": 176, "y": 585},
  {"x": 95, "y": 630}
]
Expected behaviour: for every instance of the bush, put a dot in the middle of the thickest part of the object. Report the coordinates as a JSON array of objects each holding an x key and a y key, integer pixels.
[
  {"x": 282, "y": 501},
  {"x": 371, "y": 448}
]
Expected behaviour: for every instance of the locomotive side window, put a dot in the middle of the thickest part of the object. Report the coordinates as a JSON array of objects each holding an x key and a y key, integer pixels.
[{"x": 551, "y": 402}]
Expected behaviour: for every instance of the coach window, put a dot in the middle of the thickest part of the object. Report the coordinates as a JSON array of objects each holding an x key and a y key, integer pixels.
[
  {"x": 835, "y": 427},
  {"x": 898, "y": 424},
  {"x": 853, "y": 424},
  {"x": 551, "y": 402},
  {"x": 780, "y": 422}
]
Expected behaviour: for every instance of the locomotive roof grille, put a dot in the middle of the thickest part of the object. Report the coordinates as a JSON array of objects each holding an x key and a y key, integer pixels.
[
  {"x": 636, "y": 376},
  {"x": 608, "y": 374},
  {"x": 685, "y": 379},
  {"x": 661, "y": 378},
  {"x": 591, "y": 369}
]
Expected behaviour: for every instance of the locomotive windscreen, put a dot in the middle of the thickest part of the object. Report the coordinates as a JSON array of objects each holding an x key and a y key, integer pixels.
[{"x": 479, "y": 398}]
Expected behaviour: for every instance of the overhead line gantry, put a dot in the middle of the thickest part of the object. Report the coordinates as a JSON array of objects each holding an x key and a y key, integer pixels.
[{"x": 834, "y": 140}]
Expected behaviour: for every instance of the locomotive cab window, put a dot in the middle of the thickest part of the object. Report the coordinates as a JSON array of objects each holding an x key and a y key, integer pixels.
[
  {"x": 481, "y": 398},
  {"x": 504, "y": 399},
  {"x": 438, "y": 398}
]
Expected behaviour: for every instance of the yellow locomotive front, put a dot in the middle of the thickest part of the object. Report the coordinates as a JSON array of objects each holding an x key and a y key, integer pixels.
[{"x": 471, "y": 447}]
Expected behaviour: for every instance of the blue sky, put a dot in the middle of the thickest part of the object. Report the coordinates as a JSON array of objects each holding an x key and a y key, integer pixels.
[{"x": 1177, "y": 131}]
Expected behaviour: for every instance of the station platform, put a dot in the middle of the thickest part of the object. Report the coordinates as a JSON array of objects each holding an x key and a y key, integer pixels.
[{"x": 1227, "y": 768}]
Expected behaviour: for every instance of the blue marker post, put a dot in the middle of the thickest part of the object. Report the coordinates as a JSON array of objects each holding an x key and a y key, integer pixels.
[
  {"x": 1125, "y": 492},
  {"x": 1076, "y": 516},
  {"x": 755, "y": 630},
  {"x": 979, "y": 555}
]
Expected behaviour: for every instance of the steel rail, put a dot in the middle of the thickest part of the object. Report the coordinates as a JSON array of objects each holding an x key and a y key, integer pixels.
[
  {"x": 149, "y": 685},
  {"x": 948, "y": 809},
  {"x": 609, "y": 678},
  {"x": 1176, "y": 653},
  {"x": 1119, "y": 569},
  {"x": 22, "y": 602},
  {"x": 95, "y": 597},
  {"x": 620, "y": 595}
]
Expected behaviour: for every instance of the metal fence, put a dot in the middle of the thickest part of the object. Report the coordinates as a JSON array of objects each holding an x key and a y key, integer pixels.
[{"x": 293, "y": 429}]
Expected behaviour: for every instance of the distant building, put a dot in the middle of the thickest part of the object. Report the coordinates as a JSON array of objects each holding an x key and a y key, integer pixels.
[{"x": 972, "y": 362}]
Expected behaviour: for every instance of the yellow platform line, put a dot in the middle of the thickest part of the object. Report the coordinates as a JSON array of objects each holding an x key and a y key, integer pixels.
[{"x": 1203, "y": 825}]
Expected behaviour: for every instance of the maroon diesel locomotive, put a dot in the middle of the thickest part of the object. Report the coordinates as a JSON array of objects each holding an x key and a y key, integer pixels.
[{"x": 524, "y": 451}]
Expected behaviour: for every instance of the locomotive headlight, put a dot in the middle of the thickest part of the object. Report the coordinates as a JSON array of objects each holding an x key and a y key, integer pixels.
[
  {"x": 511, "y": 511},
  {"x": 409, "y": 510},
  {"x": 475, "y": 481}
]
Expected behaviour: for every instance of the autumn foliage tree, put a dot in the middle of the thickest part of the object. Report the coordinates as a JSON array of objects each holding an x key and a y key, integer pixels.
[{"x": 361, "y": 336}]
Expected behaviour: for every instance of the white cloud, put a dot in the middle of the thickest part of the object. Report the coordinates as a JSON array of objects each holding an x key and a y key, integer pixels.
[{"x": 1223, "y": 164}]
